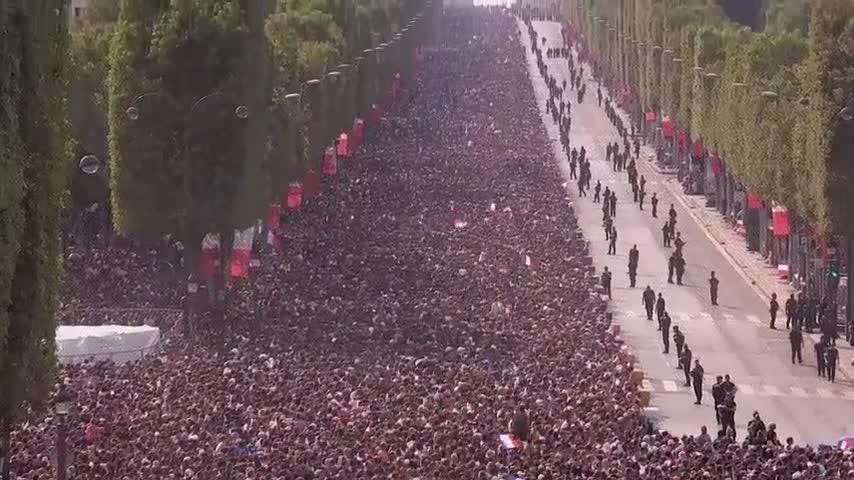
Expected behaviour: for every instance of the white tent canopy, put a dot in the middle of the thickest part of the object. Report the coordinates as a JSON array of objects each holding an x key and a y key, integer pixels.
[{"x": 118, "y": 343}]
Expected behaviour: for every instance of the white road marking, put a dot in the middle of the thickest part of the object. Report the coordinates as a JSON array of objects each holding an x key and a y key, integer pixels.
[
  {"x": 728, "y": 317},
  {"x": 746, "y": 389},
  {"x": 706, "y": 316},
  {"x": 647, "y": 385},
  {"x": 754, "y": 320},
  {"x": 798, "y": 392},
  {"x": 825, "y": 393},
  {"x": 670, "y": 385},
  {"x": 773, "y": 391}
]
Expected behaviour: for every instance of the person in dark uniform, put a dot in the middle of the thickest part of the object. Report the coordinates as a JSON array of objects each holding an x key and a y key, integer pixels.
[
  {"x": 637, "y": 147},
  {"x": 671, "y": 266},
  {"x": 718, "y": 395},
  {"x": 680, "y": 268},
  {"x": 672, "y": 214},
  {"x": 654, "y": 202},
  {"x": 635, "y": 190},
  {"x": 697, "y": 381},
  {"x": 608, "y": 225},
  {"x": 641, "y": 196},
  {"x": 648, "y": 300},
  {"x": 665, "y": 234},
  {"x": 832, "y": 359},
  {"x": 664, "y": 326},
  {"x": 612, "y": 242},
  {"x": 679, "y": 341},
  {"x": 713, "y": 288},
  {"x": 660, "y": 307},
  {"x": 686, "y": 364},
  {"x": 820, "y": 350},
  {"x": 796, "y": 340},
  {"x": 678, "y": 242},
  {"x": 727, "y": 413},
  {"x": 597, "y": 190},
  {"x": 606, "y": 281},
  {"x": 634, "y": 257},
  {"x": 613, "y": 204},
  {"x": 791, "y": 307},
  {"x": 573, "y": 166},
  {"x": 773, "y": 307}
]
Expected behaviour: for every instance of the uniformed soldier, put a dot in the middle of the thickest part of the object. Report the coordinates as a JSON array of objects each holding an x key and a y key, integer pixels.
[
  {"x": 597, "y": 190},
  {"x": 773, "y": 307},
  {"x": 660, "y": 307},
  {"x": 697, "y": 381},
  {"x": 713, "y": 288},
  {"x": 680, "y": 268},
  {"x": 665, "y": 234},
  {"x": 641, "y": 196},
  {"x": 671, "y": 266},
  {"x": 820, "y": 350},
  {"x": 607, "y": 224},
  {"x": 832, "y": 358},
  {"x": 613, "y": 204},
  {"x": 678, "y": 243},
  {"x": 796, "y": 340},
  {"x": 791, "y": 307},
  {"x": 634, "y": 258},
  {"x": 686, "y": 364},
  {"x": 718, "y": 395},
  {"x": 648, "y": 300},
  {"x": 612, "y": 245},
  {"x": 606, "y": 281},
  {"x": 664, "y": 326},
  {"x": 679, "y": 340}
]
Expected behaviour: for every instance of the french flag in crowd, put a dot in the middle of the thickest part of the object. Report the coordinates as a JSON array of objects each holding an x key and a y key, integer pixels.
[
  {"x": 510, "y": 442},
  {"x": 241, "y": 252}
]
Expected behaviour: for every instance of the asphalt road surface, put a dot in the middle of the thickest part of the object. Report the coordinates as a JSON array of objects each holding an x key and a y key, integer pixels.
[{"x": 732, "y": 338}]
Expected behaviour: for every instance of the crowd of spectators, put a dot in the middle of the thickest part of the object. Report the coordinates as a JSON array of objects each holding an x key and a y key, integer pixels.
[{"x": 434, "y": 289}]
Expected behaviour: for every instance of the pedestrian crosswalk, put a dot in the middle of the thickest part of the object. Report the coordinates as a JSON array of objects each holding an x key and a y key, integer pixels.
[
  {"x": 750, "y": 390},
  {"x": 687, "y": 318}
]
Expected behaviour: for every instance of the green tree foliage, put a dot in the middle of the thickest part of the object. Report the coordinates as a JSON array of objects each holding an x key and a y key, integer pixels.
[
  {"x": 787, "y": 16},
  {"x": 34, "y": 142}
]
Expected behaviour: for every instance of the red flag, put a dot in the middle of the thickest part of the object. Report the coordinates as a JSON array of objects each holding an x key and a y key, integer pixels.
[
  {"x": 343, "y": 145},
  {"x": 754, "y": 200},
  {"x": 781, "y": 221},
  {"x": 330, "y": 164},
  {"x": 294, "y": 199}
]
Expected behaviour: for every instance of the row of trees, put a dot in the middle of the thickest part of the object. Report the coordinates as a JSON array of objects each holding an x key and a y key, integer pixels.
[
  {"x": 200, "y": 112},
  {"x": 33, "y": 142},
  {"x": 766, "y": 102}
]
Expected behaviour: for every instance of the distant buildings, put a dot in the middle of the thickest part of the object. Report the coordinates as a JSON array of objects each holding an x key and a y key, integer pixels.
[{"x": 77, "y": 9}]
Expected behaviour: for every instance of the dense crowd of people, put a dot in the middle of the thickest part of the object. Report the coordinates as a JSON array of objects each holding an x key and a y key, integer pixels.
[{"x": 433, "y": 298}]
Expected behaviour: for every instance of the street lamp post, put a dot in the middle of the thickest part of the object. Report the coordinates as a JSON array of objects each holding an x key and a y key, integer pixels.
[{"x": 62, "y": 407}]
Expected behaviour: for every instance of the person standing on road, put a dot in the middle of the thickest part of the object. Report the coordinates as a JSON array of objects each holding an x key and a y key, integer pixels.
[
  {"x": 727, "y": 413},
  {"x": 671, "y": 266},
  {"x": 607, "y": 224},
  {"x": 791, "y": 307},
  {"x": 635, "y": 191},
  {"x": 678, "y": 243},
  {"x": 654, "y": 202},
  {"x": 697, "y": 380},
  {"x": 713, "y": 288},
  {"x": 612, "y": 242},
  {"x": 641, "y": 196},
  {"x": 686, "y": 364},
  {"x": 672, "y": 214},
  {"x": 832, "y": 360},
  {"x": 820, "y": 350},
  {"x": 599, "y": 95},
  {"x": 660, "y": 308},
  {"x": 648, "y": 300},
  {"x": 718, "y": 395},
  {"x": 665, "y": 234},
  {"x": 773, "y": 307},
  {"x": 637, "y": 147},
  {"x": 573, "y": 166},
  {"x": 606, "y": 281},
  {"x": 679, "y": 340},
  {"x": 680, "y": 267},
  {"x": 634, "y": 258},
  {"x": 597, "y": 190},
  {"x": 796, "y": 340},
  {"x": 581, "y": 192},
  {"x": 613, "y": 204},
  {"x": 664, "y": 326}
]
